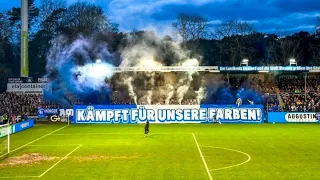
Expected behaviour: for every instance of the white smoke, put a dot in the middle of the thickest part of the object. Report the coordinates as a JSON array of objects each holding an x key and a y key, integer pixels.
[
  {"x": 128, "y": 82},
  {"x": 93, "y": 75},
  {"x": 182, "y": 90},
  {"x": 150, "y": 51},
  {"x": 201, "y": 94},
  {"x": 149, "y": 97},
  {"x": 184, "y": 83},
  {"x": 169, "y": 93}
]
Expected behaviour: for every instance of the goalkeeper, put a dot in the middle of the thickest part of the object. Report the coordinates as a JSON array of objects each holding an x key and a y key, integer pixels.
[{"x": 146, "y": 128}]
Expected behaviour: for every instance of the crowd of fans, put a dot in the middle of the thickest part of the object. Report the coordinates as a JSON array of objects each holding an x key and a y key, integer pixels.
[
  {"x": 291, "y": 90},
  {"x": 300, "y": 102},
  {"x": 300, "y": 94},
  {"x": 296, "y": 84},
  {"x": 271, "y": 103},
  {"x": 254, "y": 83},
  {"x": 13, "y": 105}
]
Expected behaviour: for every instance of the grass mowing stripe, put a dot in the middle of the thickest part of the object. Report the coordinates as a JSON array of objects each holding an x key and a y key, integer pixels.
[
  {"x": 33, "y": 141},
  {"x": 203, "y": 160},
  {"x": 60, "y": 160}
]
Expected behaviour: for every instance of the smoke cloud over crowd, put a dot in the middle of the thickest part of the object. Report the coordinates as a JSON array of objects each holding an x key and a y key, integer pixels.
[
  {"x": 83, "y": 70},
  {"x": 78, "y": 70}
]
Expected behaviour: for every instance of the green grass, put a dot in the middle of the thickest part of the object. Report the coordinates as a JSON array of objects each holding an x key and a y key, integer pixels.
[{"x": 277, "y": 151}]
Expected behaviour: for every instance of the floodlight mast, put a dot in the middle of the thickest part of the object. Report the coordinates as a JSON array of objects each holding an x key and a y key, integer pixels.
[{"x": 24, "y": 66}]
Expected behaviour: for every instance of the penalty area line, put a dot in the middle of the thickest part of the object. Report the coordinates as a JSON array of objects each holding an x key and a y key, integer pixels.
[
  {"x": 33, "y": 141},
  {"x": 202, "y": 157},
  {"x": 60, "y": 161}
]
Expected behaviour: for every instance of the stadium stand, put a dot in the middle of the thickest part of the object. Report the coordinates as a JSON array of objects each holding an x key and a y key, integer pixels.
[
  {"x": 13, "y": 104},
  {"x": 286, "y": 95},
  {"x": 294, "y": 96}
]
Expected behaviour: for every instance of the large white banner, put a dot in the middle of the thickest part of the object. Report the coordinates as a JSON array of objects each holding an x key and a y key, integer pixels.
[
  {"x": 26, "y": 87},
  {"x": 123, "y": 114}
]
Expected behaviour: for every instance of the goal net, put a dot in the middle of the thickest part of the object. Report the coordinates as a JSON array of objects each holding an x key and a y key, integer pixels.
[{"x": 5, "y": 131}]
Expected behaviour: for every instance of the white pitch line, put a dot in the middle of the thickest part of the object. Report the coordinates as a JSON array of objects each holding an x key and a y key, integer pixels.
[
  {"x": 60, "y": 160},
  {"x": 249, "y": 158},
  {"x": 16, "y": 177},
  {"x": 33, "y": 141},
  {"x": 44, "y": 145},
  {"x": 67, "y": 134},
  {"x": 203, "y": 160}
]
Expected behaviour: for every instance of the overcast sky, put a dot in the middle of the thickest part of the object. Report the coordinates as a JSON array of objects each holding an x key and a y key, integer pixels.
[{"x": 266, "y": 15}]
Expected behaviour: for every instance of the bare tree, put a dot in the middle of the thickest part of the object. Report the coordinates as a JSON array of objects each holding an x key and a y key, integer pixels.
[
  {"x": 237, "y": 48},
  {"x": 197, "y": 27},
  {"x": 318, "y": 25},
  {"x": 181, "y": 25},
  {"x": 86, "y": 18},
  {"x": 232, "y": 28},
  {"x": 190, "y": 27},
  {"x": 5, "y": 29},
  {"x": 237, "y": 39},
  {"x": 315, "y": 49},
  {"x": 244, "y": 28},
  {"x": 283, "y": 49},
  {"x": 282, "y": 33},
  {"x": 5, "y": 73},
  {"x": 48, "y": 6},
  {"x": 226, "y": 29}
]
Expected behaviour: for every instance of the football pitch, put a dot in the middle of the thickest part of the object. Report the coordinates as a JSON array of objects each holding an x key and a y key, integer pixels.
[{"x": 171, "y": 151}]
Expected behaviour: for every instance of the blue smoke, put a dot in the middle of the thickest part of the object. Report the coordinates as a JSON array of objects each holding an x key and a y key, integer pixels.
[
  {"x": 226, "y": 95},
  {"x": 72, "y": 83}
]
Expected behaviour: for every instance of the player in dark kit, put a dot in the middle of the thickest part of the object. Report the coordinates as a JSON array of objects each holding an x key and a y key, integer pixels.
[
  {"x": 215, "y": 120},
  {"x": 146, "y": 128}
]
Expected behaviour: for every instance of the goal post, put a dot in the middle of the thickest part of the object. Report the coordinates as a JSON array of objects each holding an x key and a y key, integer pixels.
[
  {"x": 5, "y": 131},
  {"x": 61, "y": 119},
  {"x": 66, "y": 119}
]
